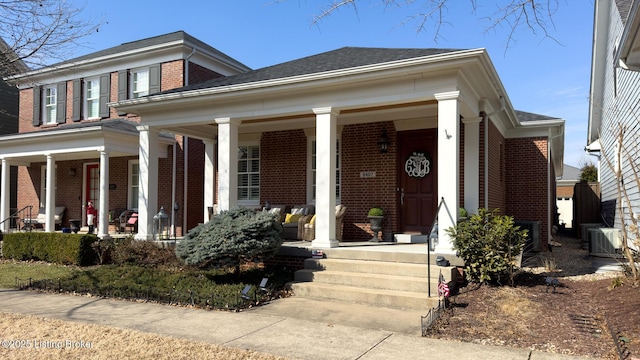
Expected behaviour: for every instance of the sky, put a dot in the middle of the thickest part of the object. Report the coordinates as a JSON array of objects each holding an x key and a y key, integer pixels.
[{"x": 541, "y": 75}]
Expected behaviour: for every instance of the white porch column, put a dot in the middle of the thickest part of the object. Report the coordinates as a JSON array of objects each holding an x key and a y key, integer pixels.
[
  {"x": 103, "y": 211},
  {"x": 448, "y": 166},
  {"x": 50, "y": 207},
  {"x": 227, "y": 163},
  {"x": 209, "y": 176},
  {"x": 326, "y": 126},
  {"x": 5, "y": 206},
  {"x": 147, "y": 181},
  {"x": 472, "y": 163}
]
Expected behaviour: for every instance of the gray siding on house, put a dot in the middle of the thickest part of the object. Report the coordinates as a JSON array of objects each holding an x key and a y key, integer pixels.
[{"x": 620, "y": 108}]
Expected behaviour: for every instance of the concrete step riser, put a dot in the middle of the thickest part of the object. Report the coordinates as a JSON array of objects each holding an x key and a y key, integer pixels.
[
  {"x": 369, "y": 281},
  {"x": 413, "y": 258},
  {"x": 362, "y": 296},
  {"x": 375, "y": 267}
]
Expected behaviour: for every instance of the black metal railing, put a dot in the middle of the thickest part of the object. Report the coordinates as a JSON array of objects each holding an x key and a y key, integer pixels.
[
  {"x": 427, "y": 321},
  {"x": 24, "y": 216}
]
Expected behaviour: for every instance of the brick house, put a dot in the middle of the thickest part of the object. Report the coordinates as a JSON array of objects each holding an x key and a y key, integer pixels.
[
  {"x": 171, "y": 121},
  {"x": 71, "y": 141},
  {"x": 309, "y": 131},
  {"x": 613, "y": 109},
  {"x": 9, "y": 112}
]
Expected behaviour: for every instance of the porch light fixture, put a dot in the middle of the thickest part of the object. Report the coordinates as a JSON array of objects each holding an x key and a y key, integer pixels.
[
  {"x": 72, "y": 172},
  {"x": 161, "y": 230},
  {"x": 384, "y": 142}
]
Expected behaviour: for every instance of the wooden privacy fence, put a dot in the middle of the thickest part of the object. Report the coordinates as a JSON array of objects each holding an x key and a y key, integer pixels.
[{"x": 586, "y": 204}]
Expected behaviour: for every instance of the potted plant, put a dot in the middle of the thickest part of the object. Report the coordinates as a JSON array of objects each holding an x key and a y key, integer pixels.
[
  {"x": 462, "y": 214},
  {"x": 375, "y": 215}
]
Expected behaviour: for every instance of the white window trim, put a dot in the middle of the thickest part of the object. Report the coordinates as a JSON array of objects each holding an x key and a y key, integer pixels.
[
  {"x": 254, "y": 202},
  {"x": 132, "y": 89},
  {"x": 310, "y": 194},
  {"x": 45, "y": 105},
  {"x": 86, "y": 98},
  {"x": 130, "y": 183}
]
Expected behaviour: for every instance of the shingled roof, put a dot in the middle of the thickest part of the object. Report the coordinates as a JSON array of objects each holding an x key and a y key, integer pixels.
[
  {"x": 343, "y": 58},
  {"x": 176, "y": 36},
  {"x": 524, "y": 116}
]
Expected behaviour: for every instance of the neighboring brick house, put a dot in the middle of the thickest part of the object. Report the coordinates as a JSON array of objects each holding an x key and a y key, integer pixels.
[
  {"x": 9, "y": 112},
  {"x": 614, "y": 109},
  {"x": 312, "y": 130},
  {"x": 70, "y": 140}
]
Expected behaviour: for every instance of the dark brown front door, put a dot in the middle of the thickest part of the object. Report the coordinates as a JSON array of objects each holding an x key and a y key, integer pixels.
[{"x": 418, "y": 180}]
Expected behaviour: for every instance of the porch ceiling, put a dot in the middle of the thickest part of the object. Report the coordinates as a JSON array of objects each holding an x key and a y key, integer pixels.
[{"x": 396, "y": 112}]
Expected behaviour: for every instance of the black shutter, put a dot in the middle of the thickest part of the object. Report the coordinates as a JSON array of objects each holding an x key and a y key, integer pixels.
[
  {"x": 76, "y": 109},
  {"x": 105, "y": 90},
  {"x": 37, "y": 111},
  {"x": 61, "y": 103},
  {"x": 154, "y": 79},
  {"x": 123, "y": 76}
]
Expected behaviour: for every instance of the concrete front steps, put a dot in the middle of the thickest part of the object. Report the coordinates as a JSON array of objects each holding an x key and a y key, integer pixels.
[{"x": 377, "y": 278}]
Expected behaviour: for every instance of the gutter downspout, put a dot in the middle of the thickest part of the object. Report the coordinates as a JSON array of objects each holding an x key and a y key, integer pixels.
[
  {"x": 486, "y": 146},
  {"x": 549, "y": 190}
]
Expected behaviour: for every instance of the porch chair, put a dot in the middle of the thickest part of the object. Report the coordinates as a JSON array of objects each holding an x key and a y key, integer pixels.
[
  {"x": 310, "y": 227},
  {"x": 121, "y": 221},
  {"x": 132, "y": 223}
]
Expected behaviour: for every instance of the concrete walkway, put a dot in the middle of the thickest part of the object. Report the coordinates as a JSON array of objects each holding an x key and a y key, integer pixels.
[{"x": 294, "y": 328}]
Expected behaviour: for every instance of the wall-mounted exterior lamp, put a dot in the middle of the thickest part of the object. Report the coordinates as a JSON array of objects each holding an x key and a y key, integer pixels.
[
  {"x": 72, "y": 172},
  {"x": 384, "y": 142}
]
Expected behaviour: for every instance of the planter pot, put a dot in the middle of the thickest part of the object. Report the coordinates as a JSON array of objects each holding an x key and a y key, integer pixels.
[{"x": 376, "y": 226}]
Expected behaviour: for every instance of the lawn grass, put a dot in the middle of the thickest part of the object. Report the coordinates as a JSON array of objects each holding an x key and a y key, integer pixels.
[
  {"x": 10, "y": 269},
  {"x": 213, "y": 288}
]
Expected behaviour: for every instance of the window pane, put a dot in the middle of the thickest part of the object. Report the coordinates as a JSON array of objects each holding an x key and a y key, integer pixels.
[
  {"x": 243, "y": 180},
  {"x": 248, "y": 172},
  {"x": 243, "y": 167},
  {"x": 243, "y": 194},
  {"x": 255, "y": 166}
]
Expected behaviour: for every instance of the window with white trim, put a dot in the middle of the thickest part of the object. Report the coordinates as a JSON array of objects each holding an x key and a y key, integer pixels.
[
  {"x": 311, "y": 186},
  {"x": 249, "y": 174},
  {"x": 134, "y": 185},
  {"x": 49, "y": 106},
  {"x": 139, "y": 83},
  {"x": 92, "y": 98}
]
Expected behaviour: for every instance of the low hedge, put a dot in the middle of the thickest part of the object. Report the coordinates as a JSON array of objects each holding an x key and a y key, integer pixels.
[{"x": 59, "y": 248}]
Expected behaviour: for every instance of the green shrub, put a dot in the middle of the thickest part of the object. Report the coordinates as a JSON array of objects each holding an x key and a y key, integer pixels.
[
  {"x": 59, "y": 248},
  {"x": 376, "y": 211},
  {"x": 488, "y": 243},
  {"x": 139, "y": 252},
  {"x": 232, "y": 238}
]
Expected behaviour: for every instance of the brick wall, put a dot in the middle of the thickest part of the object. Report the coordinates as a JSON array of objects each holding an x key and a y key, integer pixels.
[
  {"x": 527, "y": 177},
  {"x": 199, "y": 74},
  {"x": 172, "y": 75},
  {"x": 565, "y": 191},
  {"x": 360, "y": 153},
  {"x": 283, "y": 167}
]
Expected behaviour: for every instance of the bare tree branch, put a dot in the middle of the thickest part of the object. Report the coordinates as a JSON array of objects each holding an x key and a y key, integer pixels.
[
  {"x": 39, "y": 32},
  {"x": 536, "y": 16}
]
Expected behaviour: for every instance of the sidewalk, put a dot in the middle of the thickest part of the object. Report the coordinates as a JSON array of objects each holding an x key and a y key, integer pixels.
[{"x": 295, "y": 328}]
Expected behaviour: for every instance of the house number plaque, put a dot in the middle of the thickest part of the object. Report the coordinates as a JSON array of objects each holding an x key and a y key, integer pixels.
[{"x": 418, "y": 165}]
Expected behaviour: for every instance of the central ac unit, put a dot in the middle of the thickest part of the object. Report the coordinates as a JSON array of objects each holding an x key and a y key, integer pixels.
[{"x": 605, "y": 241}]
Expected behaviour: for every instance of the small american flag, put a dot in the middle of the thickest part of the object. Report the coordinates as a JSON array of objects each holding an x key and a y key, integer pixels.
[{"x": 443, "y": 287}]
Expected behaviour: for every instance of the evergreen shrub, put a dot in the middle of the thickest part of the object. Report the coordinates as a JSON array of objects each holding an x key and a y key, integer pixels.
[
  {"x": 489, "y": 245},
  {"x": 232, "y": 238}
]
